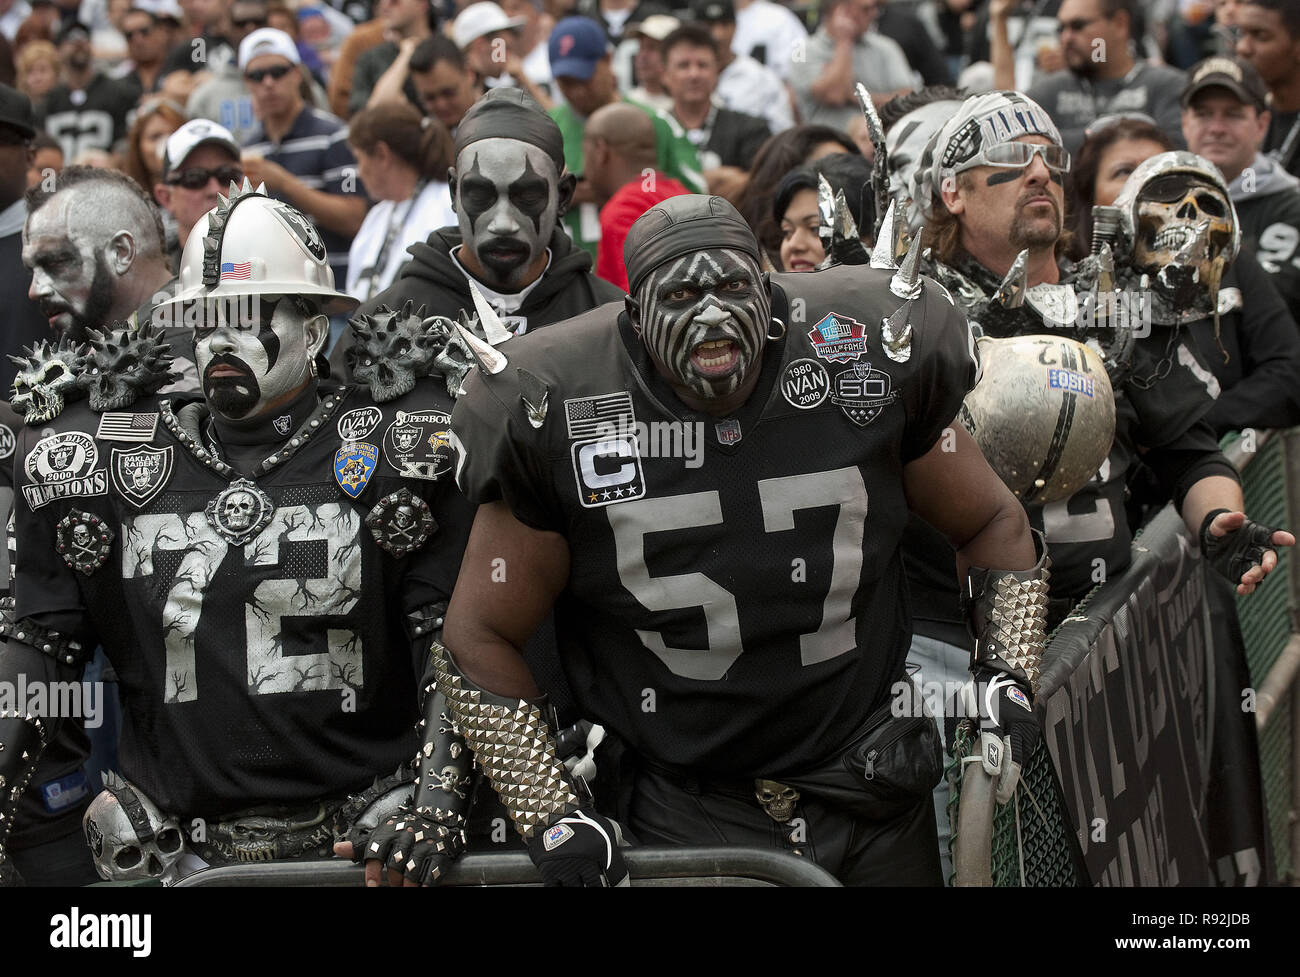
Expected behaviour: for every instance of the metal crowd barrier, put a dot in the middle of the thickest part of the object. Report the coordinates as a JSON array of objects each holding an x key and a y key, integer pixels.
[{"x": 647, "y": 866}]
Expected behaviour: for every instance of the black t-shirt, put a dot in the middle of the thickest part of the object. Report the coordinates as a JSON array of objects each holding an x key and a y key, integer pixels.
[
  {"x": 1279, "y": 128},
  {"x": 92, "y": 118},
  {"x": 274, "y": 668},
  {"x": 741, "y": 608}
]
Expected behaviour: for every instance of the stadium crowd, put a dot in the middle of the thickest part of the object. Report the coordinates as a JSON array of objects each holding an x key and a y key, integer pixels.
[{"x": 357, "y": 114}]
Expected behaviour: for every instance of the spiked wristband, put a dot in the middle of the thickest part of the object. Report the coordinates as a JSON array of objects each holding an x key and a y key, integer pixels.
[
  {"x": 512, "y": 743},
  {"x": 22, "y": 739},
  {"x": 1007, "y": 611}
]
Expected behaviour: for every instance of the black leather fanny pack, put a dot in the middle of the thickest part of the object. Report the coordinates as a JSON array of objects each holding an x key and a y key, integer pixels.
[{"x": 890, "y": 763}]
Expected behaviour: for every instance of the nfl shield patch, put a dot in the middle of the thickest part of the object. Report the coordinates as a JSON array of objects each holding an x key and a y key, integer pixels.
[
  {"x": 354, "y": 463},
  {"x": 139, "y": 475}
]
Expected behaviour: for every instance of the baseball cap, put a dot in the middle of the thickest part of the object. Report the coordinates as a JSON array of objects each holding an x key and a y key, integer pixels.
[
  {"x": 479, "y": 19},
  {"x": 1234, "y": 74},
  {"x": 16, "y": 111},
  {"x": 192, "y": 135},
  {"x": 714, "y": 11},
  {"x": 656, "y": 27},
  {"x": 576, "y": 45},
  {"x": 267, "y": 40},
  {"x": 161, "y": 9}
]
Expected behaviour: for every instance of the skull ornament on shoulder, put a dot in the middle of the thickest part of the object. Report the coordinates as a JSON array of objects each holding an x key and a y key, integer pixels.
[
  {"x": 124, "y": 364},
  {"x": 47, "y": 379},
  {"x": 393, "y": 349}
]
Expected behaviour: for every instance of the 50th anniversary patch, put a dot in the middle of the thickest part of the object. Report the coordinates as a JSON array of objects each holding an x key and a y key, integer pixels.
[{"x": 61, "y": 466}]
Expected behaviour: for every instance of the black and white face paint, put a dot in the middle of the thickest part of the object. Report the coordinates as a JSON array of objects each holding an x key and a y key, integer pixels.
[
  {"x": 507, "y": 194},
  {"x": 704, "y": 318},
  {"x": 246, "y": 365}
]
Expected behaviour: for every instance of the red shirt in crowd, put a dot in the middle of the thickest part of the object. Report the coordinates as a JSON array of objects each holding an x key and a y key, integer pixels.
[{"x": 629, "y": 202}]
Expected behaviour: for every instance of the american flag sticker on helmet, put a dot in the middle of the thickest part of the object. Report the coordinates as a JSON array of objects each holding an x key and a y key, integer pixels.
[{"x": 236, "y": 271}]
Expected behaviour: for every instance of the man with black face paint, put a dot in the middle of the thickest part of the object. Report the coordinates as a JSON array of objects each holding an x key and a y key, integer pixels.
[
  {"x": 509, "y": 190},
  {"x": 263, "y": 564},
  {"x": 713, "y": 503}
]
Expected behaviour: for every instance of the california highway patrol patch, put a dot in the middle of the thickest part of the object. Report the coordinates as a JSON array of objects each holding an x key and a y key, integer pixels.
[{"x": 354, "y": 463}]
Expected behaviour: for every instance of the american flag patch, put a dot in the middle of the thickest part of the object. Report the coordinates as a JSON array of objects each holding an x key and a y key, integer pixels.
[
  {"x": 237, "y": 271},
  {"x": 127, "y": 426},
  {"x": 590, "y": 417}
]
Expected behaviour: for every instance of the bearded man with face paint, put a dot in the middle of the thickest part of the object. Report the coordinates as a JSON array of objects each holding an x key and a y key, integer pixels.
[
  {"x": 711, "y": 495},
  {"x": 263, "y": 563},
  {"x": 509, "y": 189}
]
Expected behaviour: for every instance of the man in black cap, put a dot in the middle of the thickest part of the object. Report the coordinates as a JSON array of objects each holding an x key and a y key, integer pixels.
[
  {"x": 22, "y": 324},
  {"x": 1226, "y": 119},
  {"x": 509, "y": 189},
  {"x": 88, "y": 110},
  {"x": 713, "y": 504},
  {"x": 744, "y": 85}
]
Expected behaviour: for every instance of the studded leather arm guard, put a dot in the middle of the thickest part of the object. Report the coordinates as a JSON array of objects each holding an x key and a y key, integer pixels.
[
  {"x": 1007, "y": 613},
  {"x": 512, "y": 743},
  {"x": 23, "y": 738}
]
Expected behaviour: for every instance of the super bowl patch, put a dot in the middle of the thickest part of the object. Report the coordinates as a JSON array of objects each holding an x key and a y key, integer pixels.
[
  {"x": 838, "y": 339},
  {"x": 418, "y": 444},
  {"x": 83, "y": 540},
  {"x": 608, "y": 470},
  {"x": 7, "y": 441},
  {"x": 805, "y": 384},
  {"x": 61, "y": 466},
  {"x": 401, "y": 522},
  {"x": 240, "y": 511},
  {"x": 354, "y": 463},
  {"x": 862, "y": 393},
  {"x": 127, "y": 426},
  {"x": 140, "y": 475},
  {"x": 357, "y": 424}
]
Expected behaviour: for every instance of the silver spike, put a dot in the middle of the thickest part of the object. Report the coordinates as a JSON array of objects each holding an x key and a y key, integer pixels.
[
  {"x": 826, "y": 217},
  {"x": 896, "y": 333},
  {"x": 488, "y": 359},
  {"x": 882, "y": 254},
  {"x": 880, "y": 153},
  {"x": 1011, "y": 293},
  {"x": 906, "y": 283},
  {"x": 493, "y": 330}
]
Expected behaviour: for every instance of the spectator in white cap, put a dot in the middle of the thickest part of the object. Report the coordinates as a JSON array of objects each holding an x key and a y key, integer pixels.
[
  {"x": 200, "y": 160},
  {"x": 300, "y": 152},
  {"x": 489, "y": 38},
  {"x": 649, "y": 60}
]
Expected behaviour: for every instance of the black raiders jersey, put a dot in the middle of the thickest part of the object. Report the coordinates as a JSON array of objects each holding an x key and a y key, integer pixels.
[
  {"x": 735, "y": 600},
  {"x": 91, "y": 119},
  {"x": 257, "y": 625}
]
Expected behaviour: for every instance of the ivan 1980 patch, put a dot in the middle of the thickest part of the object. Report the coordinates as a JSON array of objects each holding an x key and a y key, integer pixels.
[
  {"x": 357, "y": 424},
  {"x": 140, "y": 475},
  {"x": 7, "y": 441},
  {"x": 608, "y": 470},
  {"x": 805, "y": 384},
  {"x": 354, "y": 463},
  {"x": 418, "y": 444},
  {"x": 862, "y": 393},
  {"x": 61, "y": 466}
]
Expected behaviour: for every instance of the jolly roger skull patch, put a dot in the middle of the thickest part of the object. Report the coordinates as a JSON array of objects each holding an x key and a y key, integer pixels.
[
  {"x": 401, "y": 522},
  {"x": 84, "y": 541}
]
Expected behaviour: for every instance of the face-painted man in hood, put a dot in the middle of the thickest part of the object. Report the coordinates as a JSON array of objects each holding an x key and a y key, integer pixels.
[
  {"x": 703, "y": 312},
  {"x": 509, "y": 189}
]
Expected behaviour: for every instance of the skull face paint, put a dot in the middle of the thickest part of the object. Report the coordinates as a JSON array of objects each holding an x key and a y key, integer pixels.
[
  {"x": 71, "y": 279},
  {"x": 507, "y": 194},
  {"x": 704, "y": 319},
  {"x": 248, "y": 366}
]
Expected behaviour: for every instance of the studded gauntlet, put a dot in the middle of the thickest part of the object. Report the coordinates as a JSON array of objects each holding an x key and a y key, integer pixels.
[
  {"x": 512, "y": 743},
  {"x": 22, "y": 739},
  {"x": 1007, "y": 613}
]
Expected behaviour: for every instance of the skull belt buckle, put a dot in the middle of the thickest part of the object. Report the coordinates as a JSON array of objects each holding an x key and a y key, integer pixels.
[{"x": 777, "y": 799}]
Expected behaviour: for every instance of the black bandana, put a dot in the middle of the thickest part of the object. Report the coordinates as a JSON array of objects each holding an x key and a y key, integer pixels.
[{"x": 508, "y": 113}]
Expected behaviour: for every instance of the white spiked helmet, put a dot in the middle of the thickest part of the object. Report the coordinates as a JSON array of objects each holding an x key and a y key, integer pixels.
[{"x": 250, "y": 244}]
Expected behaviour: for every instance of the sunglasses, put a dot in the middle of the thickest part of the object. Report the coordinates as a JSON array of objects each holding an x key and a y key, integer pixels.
[
  {"x": 1107, "y": 121},
  {"x": 279, "y": 71},
  {"x": 255, "y": 22},
  {"x": 1016, "y": 155},
  {"x": 196, "y": 178}
]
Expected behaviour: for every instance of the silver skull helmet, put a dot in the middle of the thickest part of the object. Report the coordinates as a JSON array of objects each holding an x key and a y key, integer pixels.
[
  {"x": 129, "y": 837},
  {"x": 47, "y": 377}
]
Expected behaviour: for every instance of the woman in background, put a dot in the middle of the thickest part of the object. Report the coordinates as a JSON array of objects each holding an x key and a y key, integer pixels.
[
  {"x": 38, "y": 71},
  {"x": 402, "y": 160},
  {"x": 796, "y": 212},
  {"x": 157, "y": 119}
]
